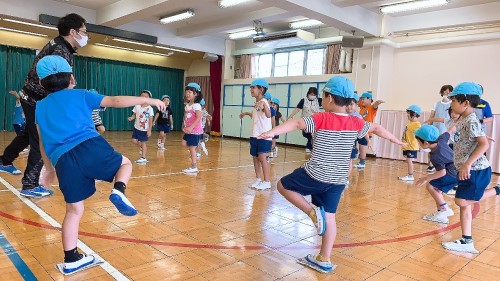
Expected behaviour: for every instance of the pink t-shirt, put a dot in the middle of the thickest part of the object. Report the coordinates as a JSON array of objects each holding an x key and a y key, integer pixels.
[{"x": 190, "y": 118}]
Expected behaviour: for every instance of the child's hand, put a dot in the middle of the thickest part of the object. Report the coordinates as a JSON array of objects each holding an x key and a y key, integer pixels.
[
  {"x": 13, "y": 93},
  {"x": 48, "y": 178},
  {"x": 464, "y": 172},
  {"x": 259, "y": 105},
  {"x": 242, "y": 115},
  {"x": 187, "y": 130},
  {"x": 130, "y": 118},
  {"x": 158, "y": 103},
  {"x": 149, "y": 134},
  {"x": 266, "y": 135},
  {"x": 420, "y": 182}
]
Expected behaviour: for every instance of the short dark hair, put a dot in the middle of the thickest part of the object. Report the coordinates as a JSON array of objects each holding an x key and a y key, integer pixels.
[
  {"x": 68, "y": 22},
  {"x": 474, "y": 100},
  {"x": 199, "y": 95},
  {"x": 56, "y": 82},
  {"x": 446, "y": 87},
  {"x": 422, "y": 141},
  {"x": 147, "y": 92},
  {"x": 312, "y": 90},
  {"x": 412, "y": 113},
  {"x": 338, "y": 100}
]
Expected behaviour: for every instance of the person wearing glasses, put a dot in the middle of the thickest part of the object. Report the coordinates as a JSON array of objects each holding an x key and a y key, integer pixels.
[{"x": 72, "y": 35}]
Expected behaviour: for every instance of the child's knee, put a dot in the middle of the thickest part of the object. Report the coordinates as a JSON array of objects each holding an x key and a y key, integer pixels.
[
  {"x": 75, "y": 209},
  {"x": 135, "y": 141},
  {"x": 462, "y": 203}
]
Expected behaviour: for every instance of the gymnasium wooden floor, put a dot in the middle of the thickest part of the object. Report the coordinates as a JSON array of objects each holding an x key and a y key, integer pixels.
[{"x": 213, "y": 227}]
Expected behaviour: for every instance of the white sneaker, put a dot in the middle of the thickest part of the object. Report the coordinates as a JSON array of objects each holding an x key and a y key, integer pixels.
[
  {"x": 198, "y": 154},
  {"x": 263, "y": 185},
  {"x": 439, "y": 216},
  {"x": 359, "y": 166},
  {"x": 162, "y": 146},
  {"x": 308, "y": 150},
  {"x": 190, "y": 170},
  {"x": 275, "y": 151},
  {"x": 457, "y": 246},
  {"x": 257, "y": 182},
  {"x": 407, "y": 178},
  {"x": 204, "y": 148},
  {"x": 141, "y": 160},
  {"x": 452, "y": 191},
  {"x": 271, "y": 154},
  {"x": 158, "y": 143}
]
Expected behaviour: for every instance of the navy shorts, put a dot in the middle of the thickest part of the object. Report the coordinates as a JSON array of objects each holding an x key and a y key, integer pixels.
[
  {"x": 411, "y": 154},
  {"x": 77, "y": 169},
  {"x": 192, "y": 139},
  {"x": 354, "y": 153},
  {"x": 363, "y": 141},
  {"x": 258, "y": 146},
  {"x": 322, "y": 194},
  {"x": 141, "y": 136},
  {"x": 444, "y": 183},
  {"x": 473, "y": 188},
  {"x": 163, "y": 128}
]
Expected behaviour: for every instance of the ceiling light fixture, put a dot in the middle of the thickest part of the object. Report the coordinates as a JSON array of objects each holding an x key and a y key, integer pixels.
[
  {"x": 133, "y": 50},
  {"x": 31, "y": 24},
  {"x": 242, "y": 34},
  {"x": 230, "y": 3},
  {"x": 173, "y": 49},
  {"x": 178, "y": 16},
  {"x": 412, "y": 5},
  {"x": 305, "y": 24},
  {"x": 132, "y": 42},
  {"x": 23, "y": 32}
]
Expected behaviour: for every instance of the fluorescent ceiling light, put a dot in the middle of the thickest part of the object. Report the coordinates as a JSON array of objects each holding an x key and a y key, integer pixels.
[
  {"x": 133, "y": 50},
  {"x": 31, "y": 24},
  {"x": 132, "y": 42},
  {"x": 114, "y": 47},
  {"x": 242, "y": 34},
  {"x": 412, "y": 5},
  {"x": 23, "y": 32},
  {"x": 230, "y": 3},
  {"x": 305, "y": 24},
  {"x": 173, "y": 49},
  {"x": 177, "y": 17}
]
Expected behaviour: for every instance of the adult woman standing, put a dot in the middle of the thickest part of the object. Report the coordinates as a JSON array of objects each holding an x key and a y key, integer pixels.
[{"x": 309, "y": 105}]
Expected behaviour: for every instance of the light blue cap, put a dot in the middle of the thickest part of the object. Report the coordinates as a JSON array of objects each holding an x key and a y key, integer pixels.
[
  {"x": 147, "y": 91},
  {"x": 202, "y": 102},
  {"x": 165, "y": 97},
  {"x": 275, "y": 100},
  {"x": 93, "y": 91},
  {"x": 50, "y": 65},
  {"x": 367, "y": 95},
  {"x": 268, "y": 96},
  {"x": 415, "y": 108},
  {"x": 355, "y": 96},
  {"x": 195, "y": 86},
  {"x": 467, "y": 88},
  {"x": 427, "y": 133},
  {"x": 260, "y": 82},
  {"x": 340, "y": 86}
]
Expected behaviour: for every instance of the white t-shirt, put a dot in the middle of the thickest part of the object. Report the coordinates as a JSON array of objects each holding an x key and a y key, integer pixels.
[
  {"x": 260, "y": 123},
  {"x": 142, "y": 117}
]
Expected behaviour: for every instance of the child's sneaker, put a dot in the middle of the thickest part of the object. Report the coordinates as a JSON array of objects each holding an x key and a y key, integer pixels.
[
  {"x": 190, "y": 170},
  {"x": 122, "y": 203},
  {"x": 320, "y": 222},
  {"x": 204, "y": 148},
  {"x": 308, "y": 150},
  {"x": 321, "y": 266},
  {"x": 263, "y": 185},
  {"x": 458, "y": 246},
  {"x": 198, "y": 154},
  {"x": 439, "y": 216},
  {"x": 162, "y": 146},
  {"x": 407, "y": 178},
  {"x": 71, "y": 267},
  {"x": 275, "y": 152},
  {"x": 10, "y": 169},
  {"x": 141, "y": 160},
  {"x": 359, "y": 166},
  {"x": 37, "y": 192},
  {"x": 431, "y": 169},
  {"x": 257, "y": 182},
  {"x": 158, "y": 143}
]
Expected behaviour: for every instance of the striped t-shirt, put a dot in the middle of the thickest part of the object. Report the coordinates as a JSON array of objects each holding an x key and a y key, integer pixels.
[{"x": 334, "y": 135}]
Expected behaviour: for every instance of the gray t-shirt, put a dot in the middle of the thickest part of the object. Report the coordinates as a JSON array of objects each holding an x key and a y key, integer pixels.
[
  {"x": 468, "y": 129},
  {"x": 442, "y": 156}
]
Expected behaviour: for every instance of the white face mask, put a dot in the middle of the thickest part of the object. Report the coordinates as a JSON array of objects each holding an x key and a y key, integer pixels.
[
  {"x": 311, "y": 97},
  {"x": 82, "y": 42},
  {"x": 426, "y": 149}
]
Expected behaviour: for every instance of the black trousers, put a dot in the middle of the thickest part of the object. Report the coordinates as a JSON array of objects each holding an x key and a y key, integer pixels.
[{"x": 309, "y": 137}]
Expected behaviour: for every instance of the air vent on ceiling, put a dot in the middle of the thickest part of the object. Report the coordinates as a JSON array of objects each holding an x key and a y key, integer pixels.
[{"x": 284, "y": 39}]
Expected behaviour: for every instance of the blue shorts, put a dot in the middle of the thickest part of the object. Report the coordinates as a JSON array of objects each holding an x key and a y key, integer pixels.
[
  {"x": 473, "y": 188},
  {"x": 141, "y": 136},
  {"x": 192, "y": 139},
  {"x": 258, "y": 146},
  {"x": 354, "y": 153},
  {"x": 163, "y": 128},
  {"x": 444, "y": 183},
  {"x": 411, "y": 154},
  {"x": 322, "y": 194},
  {"x": 363, "y": 141},
  {"x": 78, "y": 168}
]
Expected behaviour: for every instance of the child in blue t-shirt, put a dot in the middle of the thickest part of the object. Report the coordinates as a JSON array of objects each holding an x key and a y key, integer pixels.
[
  {"x": 19, "y": 121},
  {"x": 76, "y": 152}
]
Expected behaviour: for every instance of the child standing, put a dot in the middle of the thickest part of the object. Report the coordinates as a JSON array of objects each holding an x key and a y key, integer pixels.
[
  {"x": 193, "y": 130},
  {"x": 75, "y": 151},
  {"x": 474, "y": 171},
  {"x": 143, "y": 115},
  {"x": 164, "y": 122},
  {"x": 368, "y": 110},
  {"x": 206, "y": 120},
  {"x": 411, "y": 150},
  {"x": 351, "y": 110},
  {"x": 324, "y": 175},
  {"x": 19, "y": 121},
  {"x": 96, "y": 118},
  {"x": 445, "y": 176},
  {"x": 275, "y": 104},
  {"x": 261, "y": 122}
]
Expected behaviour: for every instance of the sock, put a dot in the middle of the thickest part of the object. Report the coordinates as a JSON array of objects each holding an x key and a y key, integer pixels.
[
  {"x": 312, "y": 215},
  {"x": 362, "y": 161},
  {"x": 120, "y": 186},
  {"x": 410, "y": 175},
  {"x": 319, "y": 257},
  {"x": 497, "y": 189},
  {"x": 72, "y": 255},
  {"x": 443, "y": 207},
  {"x": 466, "y": 239}
]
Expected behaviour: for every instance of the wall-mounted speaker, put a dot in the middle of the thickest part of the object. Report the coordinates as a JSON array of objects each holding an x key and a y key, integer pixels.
[
  {"x": 352, "y": 41},
  {"x": 210, "y": 57}
]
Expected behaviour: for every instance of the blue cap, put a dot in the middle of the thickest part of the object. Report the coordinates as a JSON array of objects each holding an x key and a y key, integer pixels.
[
  {"x": 260, "y": 82},
  {"x": 165, "y": 97},
  {"x": 427, "y": 133},
  {"x": 415, "y": 108},
  {"x": 367, "y": 95},
  {"x": 148, "y": 92},
  {"x": 275, "y": 100},
  {"x": 467, "y": 88},
  {"x": 355, "y": 96},
  {"x": 50, "y": 65},
  {"x": 268, "y": 96},
  {"x": 340, "y": 86},
  {"x": 202, "y": 102},
  {"x": 195, "y": 86}
]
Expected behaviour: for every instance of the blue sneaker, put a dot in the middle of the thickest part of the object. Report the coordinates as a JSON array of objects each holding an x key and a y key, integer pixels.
[
  {"x": 320, "y": 220},
  {"x": 122, "y": 203},
  {"x": 37, "y": 192},
  {"x": 321, "y": 266},
  {"x": 10, "y": 169}
]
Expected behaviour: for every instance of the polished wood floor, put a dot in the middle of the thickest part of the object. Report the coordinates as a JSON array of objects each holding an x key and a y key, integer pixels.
[{"x": 213, "y": 227}]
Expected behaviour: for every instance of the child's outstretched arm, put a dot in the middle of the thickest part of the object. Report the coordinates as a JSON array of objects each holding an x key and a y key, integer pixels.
[
  {"x": 50, "y": 171},
  {"x": 243, "y": 114},
  {"x": 288, "y": 126},
  {"x": 127, "y": 101},
  {"x": 15, "y": 94},
  {"x": 383, "y": 133},
  {"x": 377, "y": 103}
]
